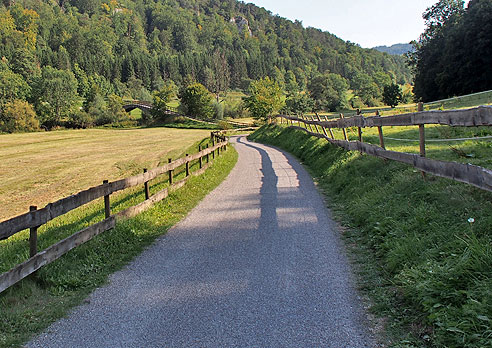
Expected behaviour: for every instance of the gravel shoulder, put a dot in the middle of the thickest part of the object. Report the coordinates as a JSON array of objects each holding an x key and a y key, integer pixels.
[{"x": 258, "y": 263}]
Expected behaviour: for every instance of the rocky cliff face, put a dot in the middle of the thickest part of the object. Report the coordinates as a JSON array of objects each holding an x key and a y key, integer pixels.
[{"x": 242, "y": 24}]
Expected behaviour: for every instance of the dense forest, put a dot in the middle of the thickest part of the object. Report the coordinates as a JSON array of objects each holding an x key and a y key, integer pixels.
[
  {"x": 93, "y": 49},
  {"x": 454, "y": 55}
]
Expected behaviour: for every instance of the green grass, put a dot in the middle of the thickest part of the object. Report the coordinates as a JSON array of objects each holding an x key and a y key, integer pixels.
[
  {"x": 30, "y": 306},
  {"x": 466, "y": 101},
  {"x": 185, "y": 123},
  {"x": 426, "y": 269},
  {"x": 477, "y": 152}
]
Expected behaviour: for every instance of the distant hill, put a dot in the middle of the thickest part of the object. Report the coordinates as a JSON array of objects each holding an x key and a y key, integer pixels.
[{"x": 396, "y": 50}]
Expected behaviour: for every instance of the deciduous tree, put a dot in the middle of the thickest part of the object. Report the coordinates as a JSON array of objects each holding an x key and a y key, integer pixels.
[
  {"x": 392, "y": 95},
  {"x": 55, "y": 95},
  {"x": 266, "y": 98},
  {"x": 197, "y": 101}
]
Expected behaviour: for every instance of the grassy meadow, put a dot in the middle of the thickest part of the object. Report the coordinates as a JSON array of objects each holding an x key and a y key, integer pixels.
[
  {"x": 37, "y": 168},
  {"x": 423, "y": 264}
]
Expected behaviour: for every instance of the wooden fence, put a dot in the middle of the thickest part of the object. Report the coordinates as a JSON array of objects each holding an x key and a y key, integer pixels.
[
  {"x": 467, "y": 173},
  {"x": 38, "y": 217}
]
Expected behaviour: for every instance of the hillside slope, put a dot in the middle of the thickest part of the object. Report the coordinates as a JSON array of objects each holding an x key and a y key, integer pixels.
[{"x": 128, "y": 45}]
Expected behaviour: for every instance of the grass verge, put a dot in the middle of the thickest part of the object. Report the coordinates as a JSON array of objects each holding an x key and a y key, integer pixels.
[
  {"x": 426, "y": 268},
  {"x": 30, "y": 306}
]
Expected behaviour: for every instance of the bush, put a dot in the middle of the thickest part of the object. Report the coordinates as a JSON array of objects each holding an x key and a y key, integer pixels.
[
  {"x": 80, "y": 119},
  {"x": 18, "y": 116},
  {"x": 235, "y": 109},
  {"x": 224, "y": 125},
  {"x": 356, "y": 103}
]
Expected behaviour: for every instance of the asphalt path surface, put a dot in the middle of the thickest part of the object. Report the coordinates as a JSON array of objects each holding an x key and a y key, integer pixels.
[{"x": 258, "y": 263}]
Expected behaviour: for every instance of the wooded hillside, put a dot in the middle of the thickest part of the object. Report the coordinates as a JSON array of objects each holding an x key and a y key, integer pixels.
[{"x": 126, "y": 45}]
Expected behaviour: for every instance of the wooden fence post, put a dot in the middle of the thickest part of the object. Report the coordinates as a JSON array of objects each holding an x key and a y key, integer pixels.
[
  {"x": 146, "y": 187},
  {"x": 187, "y": 166},
  {"x": 343, "y": 130},
  {"x": 315, "y": 125},
  {"x": 208, "y": 159},
  {"x": 421, "y": 133},
  {"x": 213, "y": 152},
  {"x": 329, "y": 129},
  {"x": 107, "y": 207},
  {"x": 33, "y": 236},
  {"x": 323, "y": 128},
  {"x": 359, "y": 129},
  {"x": 420, "y": 108},
  {"x": 306, "y": 124},
  {"x": 380, "y": 131},
  {"x": 170, "y": 172},
  {"x": 200, "y": 161}
]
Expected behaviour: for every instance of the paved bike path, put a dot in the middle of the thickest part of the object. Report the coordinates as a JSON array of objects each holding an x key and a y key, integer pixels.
[{"x": 258, "y": 263}]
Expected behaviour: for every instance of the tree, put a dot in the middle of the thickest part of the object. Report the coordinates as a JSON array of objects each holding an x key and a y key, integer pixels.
[
  {"x": 299, "y": 103},
  {"x": 445, "y": 49},
  {"x": 329, "y": 92},
  {"x": 392, "y": 95},
  {"x": 221, "y": 73},
  {"x": 55, "y": 95},
  {"x": 265, "y": 98},
  {"x": 12, "y": 86},
  {"x": 291, "y": 85},
  {"x": 197, "y": 101},
  {"x": 162, "y": 98},
  {"x": 115, "y": 108}
]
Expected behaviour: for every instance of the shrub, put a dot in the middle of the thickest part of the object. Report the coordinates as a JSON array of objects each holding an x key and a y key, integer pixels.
[
  {"x": 18, "y": 116},
  {"x": 219, "y": 110},
  {"x": 80, "y": 119},
  {"x": 235, "y": 109}
]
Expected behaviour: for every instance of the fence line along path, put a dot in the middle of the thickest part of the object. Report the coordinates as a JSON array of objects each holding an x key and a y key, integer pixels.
[
  {"x": 258, "y": 263},
  {"x": 467, "y": 173},
  {"x": 35, "y": 218}
]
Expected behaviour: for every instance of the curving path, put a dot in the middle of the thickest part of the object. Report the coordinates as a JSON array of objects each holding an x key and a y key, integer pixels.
[{"x": 258, "y": 263}]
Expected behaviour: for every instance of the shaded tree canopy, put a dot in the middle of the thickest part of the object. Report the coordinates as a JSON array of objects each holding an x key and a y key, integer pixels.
[{"x": 454, "y": 54}]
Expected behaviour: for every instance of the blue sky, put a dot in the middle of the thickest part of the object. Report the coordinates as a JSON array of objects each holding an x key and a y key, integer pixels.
[{"x": 366, "y": 22}]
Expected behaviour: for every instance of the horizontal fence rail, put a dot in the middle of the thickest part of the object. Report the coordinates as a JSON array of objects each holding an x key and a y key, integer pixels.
[
  {"x": 467, "y": 173},
  {"x": 64, "y": 205},
  {"x": 36, "y": 218}
]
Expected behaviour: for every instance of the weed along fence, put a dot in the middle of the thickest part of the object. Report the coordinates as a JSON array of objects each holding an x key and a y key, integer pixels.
[
  {"x": 467, "y": 173},
  {"x": 35, "y": 218}
]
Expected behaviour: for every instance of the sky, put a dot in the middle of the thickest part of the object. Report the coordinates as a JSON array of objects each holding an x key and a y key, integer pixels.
[{"x": 369, "y": 23}]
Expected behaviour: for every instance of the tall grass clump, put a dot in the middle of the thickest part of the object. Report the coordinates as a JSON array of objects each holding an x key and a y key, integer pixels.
[{"x": 424, "y": 246}]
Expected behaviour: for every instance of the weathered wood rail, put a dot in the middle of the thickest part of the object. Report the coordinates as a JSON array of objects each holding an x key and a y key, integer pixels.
[
  {"x": 35, "y": 218},
  {"x": 467, "y": 173}
]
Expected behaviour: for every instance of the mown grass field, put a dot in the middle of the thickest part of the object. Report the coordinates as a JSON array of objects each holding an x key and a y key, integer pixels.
[
  {"x": 30, "y": 306},
  {"x": 37, "y": 168},
  {"x": 425, "y": 266}
]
